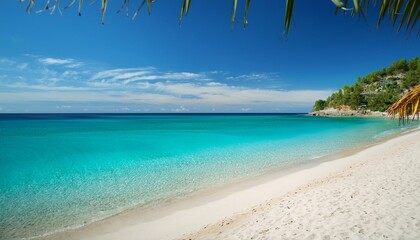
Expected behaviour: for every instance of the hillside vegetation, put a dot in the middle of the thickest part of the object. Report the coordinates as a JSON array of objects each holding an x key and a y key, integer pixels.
[{"x": 376, "y": 91}]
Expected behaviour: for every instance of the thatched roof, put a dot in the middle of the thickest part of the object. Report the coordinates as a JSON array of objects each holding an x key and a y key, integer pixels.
[{"x": 407, "y": 106}]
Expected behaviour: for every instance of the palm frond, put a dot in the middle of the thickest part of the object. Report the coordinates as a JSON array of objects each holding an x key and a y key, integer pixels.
[
  {"x": 31, "y": 5},
  {"x": 80, "y": 7},
  {"x": 248, "y": 2},
  {"x": 103, "y": 9},
  {"x": 234, "y": 5},
  {"x": 184, "y": 9},
  {"x": 124, "y": 4},
  {"x": 74, "y": 1},
  {"x": 139, "y": 8},
  {"x": 407, "y": 12},
  {"x": 288, "y": 16},
  {"x": 149, "y": 6}
]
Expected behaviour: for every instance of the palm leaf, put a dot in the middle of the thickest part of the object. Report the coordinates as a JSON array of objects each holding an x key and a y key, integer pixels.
[
  {"x": 31, "y": 4},
  {"x": 365, "y": 5},
  {"x": 55, "y": 7},
  {"x": 72, "y": 3},
  {"x": 184, "y": 9},
  {"x": 182, "y": 13},
  {"x": 248, "y": 2},
  {"x": 138, "y": 9},
  {"x": 414, "y": 11},
  {"x": 407, "y": 9},
  {"x": 288, "y": 16},
  {"x": 383, "y": 10},
  {"x": 415, "y": 21},
  {"x": 234, "y": 5},
  {"x": 338, "y": 3},
  {"x": 80, "y": 7},
  {"x": 103, "y": 9},
  {"x": 188, "y": 4},
  {"x": 149, "y": 7},
  {"x": 356, "y": 4},
  {"x": 344, "y": 7},
  {"x": 47, "y": 7},
  {"x": 396, "y": 11},
  {"x": 125, "y": 3}
]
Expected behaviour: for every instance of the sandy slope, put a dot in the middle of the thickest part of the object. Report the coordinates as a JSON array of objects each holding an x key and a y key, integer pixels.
[{"x": 378, "y": 197}]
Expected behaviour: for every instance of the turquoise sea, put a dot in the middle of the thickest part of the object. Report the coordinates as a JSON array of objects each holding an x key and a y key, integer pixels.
[{"x": 61, "y": 171}]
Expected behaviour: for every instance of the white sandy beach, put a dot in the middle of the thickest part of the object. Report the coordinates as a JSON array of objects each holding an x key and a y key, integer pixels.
[{"x": 373, "y": 194}]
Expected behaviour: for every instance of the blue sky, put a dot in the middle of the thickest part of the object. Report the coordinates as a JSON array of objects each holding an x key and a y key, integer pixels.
[{"x": 53, "y": 63}]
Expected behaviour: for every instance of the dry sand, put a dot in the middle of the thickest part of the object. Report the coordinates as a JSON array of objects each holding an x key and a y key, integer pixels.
[
  {"x": 378, "y": 197},
  {"x": 372, "y": 194}
]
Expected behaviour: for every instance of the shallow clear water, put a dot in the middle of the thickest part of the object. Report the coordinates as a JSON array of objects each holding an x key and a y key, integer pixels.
[{"x": 63, "y": 171}]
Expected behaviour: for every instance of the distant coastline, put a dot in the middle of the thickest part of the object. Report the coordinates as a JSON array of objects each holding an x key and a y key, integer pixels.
[
  {"x": 332, "y": 112},
  {"x": 373, "y": 94}
]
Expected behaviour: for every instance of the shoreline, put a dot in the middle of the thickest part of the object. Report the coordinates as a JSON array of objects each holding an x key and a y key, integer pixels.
[
  {"x": 374, "y": 198},
  {"x": 148, "y": 223},
  {"x": 348, "y": 113}
]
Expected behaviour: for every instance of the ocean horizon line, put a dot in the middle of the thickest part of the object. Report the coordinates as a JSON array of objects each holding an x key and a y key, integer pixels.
[
  {"x": 158, "y": 113},
  {"x": 40, "y": 116}
]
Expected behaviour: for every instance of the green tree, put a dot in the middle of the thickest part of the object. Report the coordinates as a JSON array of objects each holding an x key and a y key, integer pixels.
[
  {"x": 340, "y": 97},
  {"x": 382, "y": 101},
  {"x": 319, "y": 105},
  {"x": 411, "y": 79},
  {"x": 398, "y": 67},
  {"x": 414, "y": 64},
  {"x": 346, "y": 93},
  {"x": 381, "y": 87},
  {"x": 356, "y": 98}
]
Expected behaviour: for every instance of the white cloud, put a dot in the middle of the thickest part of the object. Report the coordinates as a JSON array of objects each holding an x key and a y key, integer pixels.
[
  {"x": 55, "y": 61},
  {"x": 252, "y": 76},
  {"x": 74, "y": 65},
  {"x": 45, "y": 87},
  {"x": 166, "y": 76},
  {"x": 129, "y": 75},
  {"x": 70, "y": 73},
  {"x": 170, "y": 94},
  {"x": 181, "y": 75},
  {"x": 66, "y": 62},
  {"x": 214, "y": 84},
  {"x": 115, "y": 72},
  {"x": 181, "y": 109},
  {"x": 126, "y": 76},
  {"x": 64, "y": 106},
  {"x": 69, "y": 81}
]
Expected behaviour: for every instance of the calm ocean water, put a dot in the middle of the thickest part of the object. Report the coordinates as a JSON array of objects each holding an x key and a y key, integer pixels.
[{"x": 63, "y": 171}]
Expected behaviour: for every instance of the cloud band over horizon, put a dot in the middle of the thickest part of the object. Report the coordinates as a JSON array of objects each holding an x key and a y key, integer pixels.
[{"x": 46, "y": 84}]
